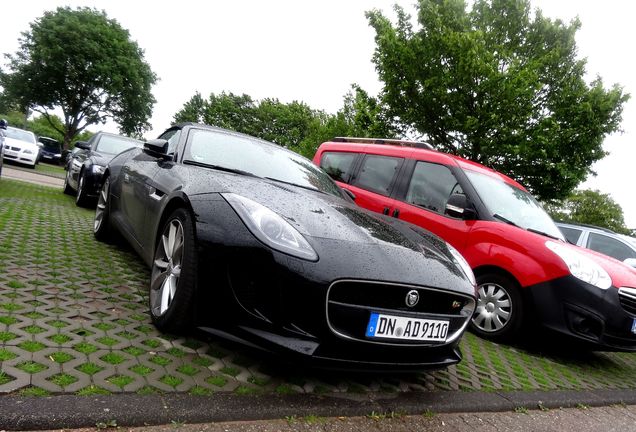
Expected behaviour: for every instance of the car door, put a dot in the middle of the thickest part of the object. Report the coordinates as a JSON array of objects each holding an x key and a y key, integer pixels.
[
  {"x": 421, "y": 200},
  {"x": 373, "y": 182}
]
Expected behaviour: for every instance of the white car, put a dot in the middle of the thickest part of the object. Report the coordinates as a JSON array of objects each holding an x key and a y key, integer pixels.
[
  {"x": 21, "y": 146},
  {"x": 602, "y": 240}
]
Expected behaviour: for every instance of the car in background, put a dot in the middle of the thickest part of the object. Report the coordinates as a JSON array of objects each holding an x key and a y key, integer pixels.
[
  {"x": 50, "y": 150},
  {"x": 602, "y": 240},
  {"x": 252, "y": 242},
  {"x": 20, "y": 146},
  {"x": 85, "y": 168},
  {"x": 527, "y": 274}
]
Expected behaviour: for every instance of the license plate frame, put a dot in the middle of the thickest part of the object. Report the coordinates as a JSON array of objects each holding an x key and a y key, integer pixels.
[{"x": 395, "y": 327}]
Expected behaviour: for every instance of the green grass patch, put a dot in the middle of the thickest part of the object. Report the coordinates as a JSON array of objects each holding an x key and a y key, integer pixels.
[
  {"x": 8, "y": 320},
  {"x": 152, "y": 343},
  {"x": 148, "y": 390},
  {"x": 34, "y": 392},
  {"x": 120, "y": 380},
  {"x": 63, "y": 380},
  {"x": 31, "y": 367},
  {"x": 142, "y": 370},
  {"x": 171, "y": 380},
  {"x": 5, "y": 355},
  {"x": 113, "y": 358},
  {"x": 200, "y": 391},
  {"x": 247, "y": 390},
  {"x": 5, "y": 378},
  {"x": 57, "y": 323},
  {"x": 33, "y": 329},
  {"x": 134, "y": 351},
  {"x": 216, "y": 380},
  {"x": 11, "y": 307},
  {"x": 85, "y": 348},
  {"x": 15, "y": 284},
  {"x": 108, "y": 341},
  {"x": 92, "y": 390},
  {"x": 176, "y": 352},
  {"x": 34, "y": 315},
  {"x": 32, "y": 346},
  {"x": 104, "y": 326},
  {"x": 6, "y": 336},
  {"x": 231, "y": 371},
  {"x": 89, "y": 368},
  {"x": 59, "y": 338},
  {"x": 160, "y": 360},
  {"x": 202, "y": 361},
  {"x": 61, "y": 357},
  {"x": 188, "y": 370}
]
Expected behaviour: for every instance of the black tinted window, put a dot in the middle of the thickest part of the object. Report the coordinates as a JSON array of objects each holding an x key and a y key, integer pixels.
[
  {"x": 431, "y": 186},
  {"x": 338, "y": 165},
  {"x": 609, "y": 246},
  {"x": 571, "y": 234},
  {"x": 172, "y": 136},
  {"x": 377, "y": 173}
]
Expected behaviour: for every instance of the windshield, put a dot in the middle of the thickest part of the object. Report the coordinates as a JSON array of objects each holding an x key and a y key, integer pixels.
[
  {"x": 256, "y": 157},
  {"x": 116, "y": 144},
  {"x": 20, "y": 135},
  {"x": 510, "y": 204}
]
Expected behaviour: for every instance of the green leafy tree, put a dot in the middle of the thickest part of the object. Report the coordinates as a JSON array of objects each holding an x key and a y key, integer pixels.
[
  {"x": 85, "y": 64},
  {"x": 498, "y": 84},
  {"x": 590, "y": 207}
]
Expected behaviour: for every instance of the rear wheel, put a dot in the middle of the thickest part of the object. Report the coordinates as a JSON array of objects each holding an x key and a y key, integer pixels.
[
  {"x": 173, "y": 277},
  {"x": 499, "y": 312},
  {"x": 81, "y": 199}
]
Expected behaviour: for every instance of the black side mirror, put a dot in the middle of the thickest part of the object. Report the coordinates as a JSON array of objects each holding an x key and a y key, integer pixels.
[
  {"x": 349, "y": 194},
  {"x": 156, "y": 147},
  {"x": 82, "y": 145},
  {"x": 457, "y": 206}
]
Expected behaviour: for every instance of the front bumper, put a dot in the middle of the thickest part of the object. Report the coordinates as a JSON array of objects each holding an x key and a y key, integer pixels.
[
  {"x": 16, "y": 154},
  {"x": 285, "y": 305},
  {"x": 594, "y": 316}
]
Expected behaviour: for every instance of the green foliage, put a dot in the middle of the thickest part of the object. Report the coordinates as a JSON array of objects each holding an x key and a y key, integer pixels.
[
  {"x": 293, "y": 125},
  {"x": 497, "y": 84},
  {"x": 589, "y": 207},
  {"x": 84, "y": 63}
]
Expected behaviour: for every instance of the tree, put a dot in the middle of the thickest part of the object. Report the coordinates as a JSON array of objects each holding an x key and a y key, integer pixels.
[
  {"x": 590, "y": 207},
  {"x": 500, "y": 85},
  {"x": 85, "y": 64},
  {"x": 294, "y": 125}
]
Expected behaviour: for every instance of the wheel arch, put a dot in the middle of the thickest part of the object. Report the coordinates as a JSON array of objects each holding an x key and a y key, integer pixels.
[{"x": 175, "y": 202}]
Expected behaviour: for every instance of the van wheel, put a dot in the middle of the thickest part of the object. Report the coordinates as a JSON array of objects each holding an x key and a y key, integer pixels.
[{"x": 499, "y": 312}]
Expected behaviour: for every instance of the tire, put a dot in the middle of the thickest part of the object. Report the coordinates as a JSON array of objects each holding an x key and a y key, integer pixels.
[
  {"x": 81, "y": 199},
  {"x": 101, "y": 224},
  {"x": 68, "y": 190},
  {"x": 499, "y": 314},
  {"x": 173, "y": 278}
]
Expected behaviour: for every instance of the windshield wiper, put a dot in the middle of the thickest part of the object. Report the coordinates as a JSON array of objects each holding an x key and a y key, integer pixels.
[
  {"x": 220, "y": 168},
  {"x": 504, "y": 219},
  {"x": 532, "y": 230},
  {"x": 294, "y": 184},
  {"x": 536, "y": 231}
]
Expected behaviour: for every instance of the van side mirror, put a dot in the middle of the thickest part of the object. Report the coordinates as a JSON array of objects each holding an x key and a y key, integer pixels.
[
  {"x": 458, "y": 207},
  {"x": 156, "y": 147}
]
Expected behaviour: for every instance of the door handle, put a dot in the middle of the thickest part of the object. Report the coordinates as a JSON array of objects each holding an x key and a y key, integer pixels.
[
  {"x": 385, "y": 211},
  {"x": 396, "y": 213}
]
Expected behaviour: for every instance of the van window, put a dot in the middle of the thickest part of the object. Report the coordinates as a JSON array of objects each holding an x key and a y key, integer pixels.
[
  {"x": 609, "y": 246},
  {"x": 571, "y": 234},
  {"x": 377, "y": 173},
  {"x": 338, "y": 165},
  {"x": 431, "y": 185}
]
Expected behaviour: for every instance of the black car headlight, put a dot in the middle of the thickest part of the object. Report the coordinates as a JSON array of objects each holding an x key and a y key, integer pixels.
[{"x": 271, "y": 228}]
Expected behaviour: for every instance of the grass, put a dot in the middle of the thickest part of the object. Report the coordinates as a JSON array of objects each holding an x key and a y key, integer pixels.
[{"x": 93, "y": 296}]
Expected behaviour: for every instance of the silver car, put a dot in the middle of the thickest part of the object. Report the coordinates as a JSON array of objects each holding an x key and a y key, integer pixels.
[{"x": 602, "y": 240}]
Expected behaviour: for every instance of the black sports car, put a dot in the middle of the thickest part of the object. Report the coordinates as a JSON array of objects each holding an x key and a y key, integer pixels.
[
  {"x": 85, "y": 168},
  {"x": 254, "y": 243}
]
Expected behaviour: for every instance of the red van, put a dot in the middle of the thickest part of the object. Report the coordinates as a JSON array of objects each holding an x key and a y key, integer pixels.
[{"x": 526, "y": 272}]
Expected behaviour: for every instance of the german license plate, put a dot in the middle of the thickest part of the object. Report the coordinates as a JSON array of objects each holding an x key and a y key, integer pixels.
[
  {"x": 398, "y": 327},
  {"x": 10, "y": 153}
]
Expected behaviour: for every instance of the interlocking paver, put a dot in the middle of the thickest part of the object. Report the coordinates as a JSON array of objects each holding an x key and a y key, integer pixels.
[{"x": 73, "y": 319}]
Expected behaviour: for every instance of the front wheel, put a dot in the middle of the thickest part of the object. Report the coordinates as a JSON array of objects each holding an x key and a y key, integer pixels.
[
  {"x": 68, "y": 190},
  {"x": 499, "y": 312},
  {"x": 81, "y": 200},
  {"x": 101, "y": 224},
  {"x": 173, "y": 276}
]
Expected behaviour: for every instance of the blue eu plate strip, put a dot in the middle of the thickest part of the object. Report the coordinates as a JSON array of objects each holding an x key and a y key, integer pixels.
[
  {"x": 634, "y": 326},
  {"x": 373, "y": 322}
]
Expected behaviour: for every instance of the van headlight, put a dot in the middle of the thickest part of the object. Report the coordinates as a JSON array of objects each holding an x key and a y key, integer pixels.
[
  {"x": 271, "y": 228},
  {"x": 580, "y": 266}
]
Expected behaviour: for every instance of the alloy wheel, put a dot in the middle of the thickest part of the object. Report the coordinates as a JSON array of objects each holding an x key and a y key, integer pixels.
[
  {"x": 166, "y": 268},
  {"x": 102, "y": 202},
  {"x": 494, "y": 308}
]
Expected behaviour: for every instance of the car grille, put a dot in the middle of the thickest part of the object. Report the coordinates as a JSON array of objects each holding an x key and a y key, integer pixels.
[
  {"x": 627, "y": 297},
  {"x": 350, "y": 304},
  {"x": 14, "y": 148}
]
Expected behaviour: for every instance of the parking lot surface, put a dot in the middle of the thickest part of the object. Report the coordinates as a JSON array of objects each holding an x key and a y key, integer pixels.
[{"x": 73, "y": 320}]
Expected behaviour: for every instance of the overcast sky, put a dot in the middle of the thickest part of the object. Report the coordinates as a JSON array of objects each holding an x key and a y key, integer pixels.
[{"x": 313, "y": 52}]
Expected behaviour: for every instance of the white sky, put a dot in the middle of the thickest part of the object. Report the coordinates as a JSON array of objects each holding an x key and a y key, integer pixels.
[{"x": 313, "y": 51}]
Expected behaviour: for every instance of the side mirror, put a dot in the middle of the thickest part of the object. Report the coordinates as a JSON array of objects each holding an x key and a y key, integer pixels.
[
  {"x": 156, "y": 147},
  {"x": 82, "y": 145},
  {"x": 630, "y": 262},
  {"x": 349, "y": 194},
  {"x": 457, "y": 206}
]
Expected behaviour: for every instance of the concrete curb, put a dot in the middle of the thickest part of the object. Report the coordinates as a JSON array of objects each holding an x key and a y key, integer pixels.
[
  {"x": 67, "y": 411},
  {"x": 31, "y": 177}
]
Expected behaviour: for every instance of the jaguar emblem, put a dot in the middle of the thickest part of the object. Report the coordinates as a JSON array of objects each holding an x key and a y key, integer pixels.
[{"x": 412, "y": 297}]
